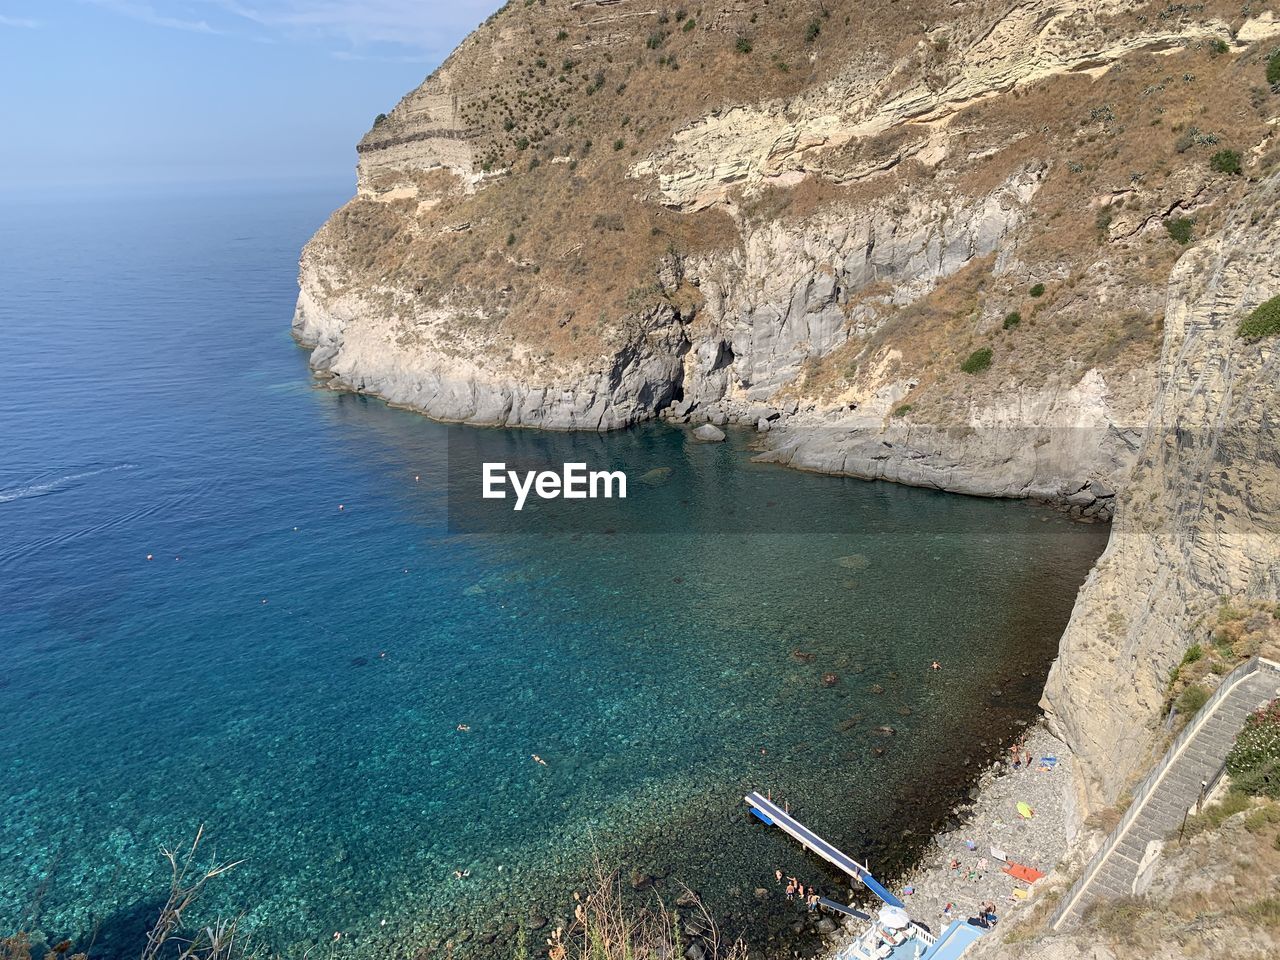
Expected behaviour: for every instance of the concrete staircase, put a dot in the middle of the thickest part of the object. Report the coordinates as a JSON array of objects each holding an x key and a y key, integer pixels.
[{"x": 1196, "y": 757}]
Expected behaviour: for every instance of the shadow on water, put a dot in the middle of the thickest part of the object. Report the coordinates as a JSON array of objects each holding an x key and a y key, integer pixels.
[{"x": 122, "y": 934}]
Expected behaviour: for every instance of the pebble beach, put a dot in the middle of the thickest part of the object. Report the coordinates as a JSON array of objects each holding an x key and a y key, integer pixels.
[{"x": 958, "y": 868}]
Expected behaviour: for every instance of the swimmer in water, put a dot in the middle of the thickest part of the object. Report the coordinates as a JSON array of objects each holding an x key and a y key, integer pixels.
[
  {"x": 538, "y": 759},
  {"x": 463, "y": 728}
]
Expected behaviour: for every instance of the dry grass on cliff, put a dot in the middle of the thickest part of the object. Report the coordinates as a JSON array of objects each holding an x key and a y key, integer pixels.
[{"x": 540, "y": 80}]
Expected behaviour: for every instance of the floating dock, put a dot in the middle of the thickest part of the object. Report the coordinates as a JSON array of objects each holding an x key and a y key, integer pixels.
[{"x": 769, "y": 812}]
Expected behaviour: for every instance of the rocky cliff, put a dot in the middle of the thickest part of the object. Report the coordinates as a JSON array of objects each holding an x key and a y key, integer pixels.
[
  {"x": 1200, "y": 519},
  {"x": 989, "y": 247}
]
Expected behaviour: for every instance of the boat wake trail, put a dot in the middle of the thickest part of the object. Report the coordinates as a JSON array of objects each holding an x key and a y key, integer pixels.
[{"x": 43, "y": 486}]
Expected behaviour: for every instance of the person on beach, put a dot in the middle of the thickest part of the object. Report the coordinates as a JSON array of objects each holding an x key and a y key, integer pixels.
[
  {"x": 791, "y": 890},
  {"x": 800, "y": 890},
  {"x": 778, "y": 875},
  {"x": 1016, "y": 752},
  {"x": 935, "y": 665},
  {"x": 813, "y": 903}
]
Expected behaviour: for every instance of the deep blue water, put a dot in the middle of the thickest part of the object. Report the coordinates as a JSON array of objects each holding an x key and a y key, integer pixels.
[{"x": 292, "y": 674}]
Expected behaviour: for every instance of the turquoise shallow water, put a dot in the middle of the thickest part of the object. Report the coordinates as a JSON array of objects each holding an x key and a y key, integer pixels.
[{"x": 292, "y": 675}]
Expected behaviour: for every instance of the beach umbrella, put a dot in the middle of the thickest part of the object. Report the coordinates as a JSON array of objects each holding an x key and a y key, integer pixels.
[{"x": 895, "y": 918}]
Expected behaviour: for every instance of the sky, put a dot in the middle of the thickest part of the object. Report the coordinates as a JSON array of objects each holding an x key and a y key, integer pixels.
[{"x": 134, "y": 93}]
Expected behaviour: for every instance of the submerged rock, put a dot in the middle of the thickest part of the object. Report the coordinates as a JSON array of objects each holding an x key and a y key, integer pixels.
[{"x": 708, "y": 433}]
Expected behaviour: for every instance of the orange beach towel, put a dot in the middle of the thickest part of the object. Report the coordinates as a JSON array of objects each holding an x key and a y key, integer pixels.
[{"x": 1023, "y": 872}]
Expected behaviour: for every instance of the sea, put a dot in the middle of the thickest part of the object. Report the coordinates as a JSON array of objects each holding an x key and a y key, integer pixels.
[{"x": 240, "y": 605}]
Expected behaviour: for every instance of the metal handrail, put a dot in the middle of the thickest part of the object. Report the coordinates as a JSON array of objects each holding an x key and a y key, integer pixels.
[{"x": 1229, "y": 682}]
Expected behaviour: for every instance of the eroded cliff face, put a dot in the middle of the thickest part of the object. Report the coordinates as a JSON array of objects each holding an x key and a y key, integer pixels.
[
  {"x": 584, "y": 220},
  {"x": 979, "y": 246},
  {"x": 1200, "y": 520}
]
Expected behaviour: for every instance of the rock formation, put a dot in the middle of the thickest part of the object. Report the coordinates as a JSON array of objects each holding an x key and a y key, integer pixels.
[{"x": 982, "y": 246}]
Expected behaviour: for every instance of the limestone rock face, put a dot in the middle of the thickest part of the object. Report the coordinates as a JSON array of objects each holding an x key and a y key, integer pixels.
[
  {"x": 424, "y": 133},
  {"x": 1200, "y": 521},
  {"x": 462, "y": 381},
  {"x": 1027, "y": 43}
]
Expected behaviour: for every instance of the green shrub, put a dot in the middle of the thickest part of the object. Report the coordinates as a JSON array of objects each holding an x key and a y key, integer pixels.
[
  {"x": 811, "y": 32},
  {"x": 511, "y": 239},
  {"x": 977, "y": 361},
  {"x": 1180, "y": 229},
  {"x": 1191, "y": 699},
  {"x": 1273, "y": 69},
  {"x": 1218, "y": 47},
  {"x": 901, "y": 411},
  {"x": 562, "y": 35},
  {"x": 619, "y": 144},
  {"x": 1254, "y": 760},
  {"x": 689, "y": 25},
  {"x": 1194, "y": 653},
  {"x": 1226, "y": 161},
  {"x": 743, "y": 45},
  {"x": 1037, "y": 290},
  {"x": 379, "y": 119},
  {"x": 1012, "y": 320},
  {"x": 1264, "y": 321}
]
